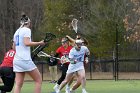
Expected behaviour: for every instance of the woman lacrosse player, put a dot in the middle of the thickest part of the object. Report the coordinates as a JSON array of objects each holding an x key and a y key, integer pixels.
[
  {"x": 63, "y": 51},
  {"x": 6, "y": 71},
  {"x": 76, "y": 56},
  {"x": 22, "y": 62},
  {"x": 84, "y": 43}
]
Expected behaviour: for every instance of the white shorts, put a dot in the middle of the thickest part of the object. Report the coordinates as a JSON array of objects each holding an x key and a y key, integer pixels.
[
  {"x": 23, "y": 65},
  {"x": 75, "y": 67}
]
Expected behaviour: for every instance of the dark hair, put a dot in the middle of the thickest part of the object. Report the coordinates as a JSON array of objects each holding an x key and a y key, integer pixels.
[{"x": 24, "y": 18}]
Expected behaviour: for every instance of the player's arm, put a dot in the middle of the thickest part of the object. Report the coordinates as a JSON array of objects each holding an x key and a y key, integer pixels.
[
  {"x": 87, "y": 54},
  {"x": 27, "y": 42},
  {"x": 71, "y": 40}
]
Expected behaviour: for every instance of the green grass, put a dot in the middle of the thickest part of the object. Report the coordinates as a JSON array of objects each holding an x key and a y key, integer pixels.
[{"x": 93, "y": 86}]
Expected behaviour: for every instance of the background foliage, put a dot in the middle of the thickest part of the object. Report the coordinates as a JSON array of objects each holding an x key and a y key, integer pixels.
[{"x": 99, "y": 21}]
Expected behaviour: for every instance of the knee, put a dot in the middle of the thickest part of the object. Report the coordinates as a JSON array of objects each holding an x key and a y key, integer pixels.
[
  {"x": 83, "y": 78},
  {"x": 19, "y": 84},
  {"x": 38, "y": 81}
]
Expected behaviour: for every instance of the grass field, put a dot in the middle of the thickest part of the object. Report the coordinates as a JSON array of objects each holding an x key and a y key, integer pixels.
[{"x": 93, "y": 86}]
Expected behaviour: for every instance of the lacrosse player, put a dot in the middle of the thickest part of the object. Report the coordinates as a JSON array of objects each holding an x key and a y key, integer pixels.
[
  {"x": 6, "y": 71},
  {"x": 84, "y": 43},
  {"x": 22, "y": 62},
  {"x": 76, "y": 56},
  {"x": 63, "y": 51}
]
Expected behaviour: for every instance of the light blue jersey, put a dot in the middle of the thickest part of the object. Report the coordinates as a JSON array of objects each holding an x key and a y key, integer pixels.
[{"x": 78, "y": 56}]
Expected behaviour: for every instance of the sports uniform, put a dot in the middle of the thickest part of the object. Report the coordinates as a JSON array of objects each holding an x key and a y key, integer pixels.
[
  {"x": 63, "y": 51},
  {"x": 78, "y": 56},
  {"x": 22, "y": 60},
  {"x": 6, "y": 72}
]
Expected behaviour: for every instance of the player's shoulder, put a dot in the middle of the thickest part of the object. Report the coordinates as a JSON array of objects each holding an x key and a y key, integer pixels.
[{"x": 25, "y": 30}]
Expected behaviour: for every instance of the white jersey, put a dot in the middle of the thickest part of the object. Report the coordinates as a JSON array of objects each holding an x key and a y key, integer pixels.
[
  {"x": 79, "y": 57},
  {"x": 22, "y": 60},
  {"x": 22, "y": 51}
]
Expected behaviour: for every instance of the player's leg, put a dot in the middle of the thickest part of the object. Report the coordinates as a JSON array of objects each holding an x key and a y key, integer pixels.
[
  {"x": 84, "y": 85},
  {"x": 63, "y": 75},
  {"x": 80, "y": 76},
  {"x": 84, "y": 81},
  {"x": 68, "y": 84},
  {"x": 8, "y": 84},
  {"x": 8, "y": 78},
  {"x": 35, "y": 74},
  {"x": 19, "y": 81},
  {"x": 3, "y": 87},
  {"x": 67, "y": 79}
]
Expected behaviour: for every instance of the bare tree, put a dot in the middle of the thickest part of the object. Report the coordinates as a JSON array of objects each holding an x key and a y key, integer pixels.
[{"x": 10, "y": 12}]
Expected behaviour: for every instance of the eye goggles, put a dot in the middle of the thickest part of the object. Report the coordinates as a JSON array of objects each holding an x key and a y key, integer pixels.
[{"x": 78, "y": 44}]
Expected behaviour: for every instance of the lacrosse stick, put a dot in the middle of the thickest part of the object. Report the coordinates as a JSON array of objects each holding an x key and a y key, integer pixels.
[
  {"x": 43, "y": 54},
  {"x": 74, "y": 25},
  {"x": 63, "y": 59},
  {"x": 48, "y": 37}
]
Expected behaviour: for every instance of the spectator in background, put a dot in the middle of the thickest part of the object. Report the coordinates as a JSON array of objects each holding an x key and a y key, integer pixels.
[{"x": 52, "y": 62}]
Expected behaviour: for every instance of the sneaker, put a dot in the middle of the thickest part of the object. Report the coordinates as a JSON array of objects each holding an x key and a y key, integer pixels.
[
  {"x": 67, "y": 90},
  {"x": 84, "y": 91},
  {"x": 56, "y": 88}
]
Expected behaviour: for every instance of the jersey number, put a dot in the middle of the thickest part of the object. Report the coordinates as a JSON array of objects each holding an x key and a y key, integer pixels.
[
  {"x": 17, "y": 40},
  {"x": 10, "y": 54}
]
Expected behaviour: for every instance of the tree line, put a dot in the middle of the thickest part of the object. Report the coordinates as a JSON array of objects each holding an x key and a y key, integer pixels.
[{"x": 98, "y": 21}]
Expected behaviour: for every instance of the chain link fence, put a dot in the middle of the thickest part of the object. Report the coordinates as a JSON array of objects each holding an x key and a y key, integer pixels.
[{"x": 100, "y": 70}]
